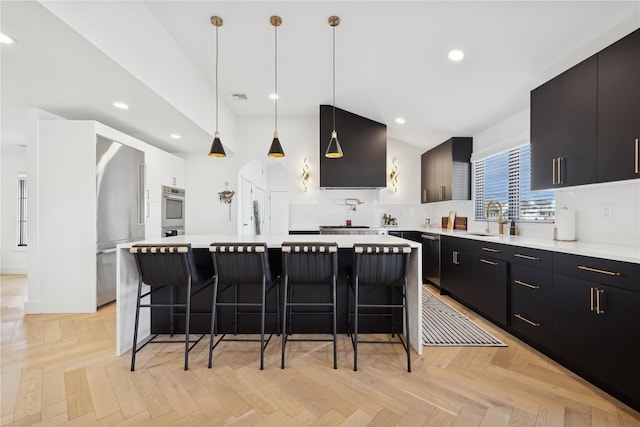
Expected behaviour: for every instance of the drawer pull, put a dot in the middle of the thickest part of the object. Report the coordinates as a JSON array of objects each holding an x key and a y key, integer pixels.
[
  {"x": 527, "y": 320},
  {"x": 595, "y": 270},
  {"x": 491, "y": 250},
  {"x": 532, "y": 258},
  {"x": 488, "y": 262},
  {"x": 526, "y": 284}
]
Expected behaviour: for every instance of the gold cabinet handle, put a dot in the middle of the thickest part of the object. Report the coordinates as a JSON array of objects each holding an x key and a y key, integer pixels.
[
  {"x": 596, "y": 270},
  {"x": 524, "y": 319},
  {"x": 598, "y": 293},
  {"x": 455, "y": 257},
  {"x": 531, "y": 258},
  {"x": 424, "y": 195},
  {"x": 491, "y": 250},
  {"x": 488, "y": 262},
  {"x": 526, "y": 284},
  {"x": 637, "y": 159},
  {"x": 591, "y": 308},
  {"x": 553, "y": 172},
  {"x": 560, "y": 180}
]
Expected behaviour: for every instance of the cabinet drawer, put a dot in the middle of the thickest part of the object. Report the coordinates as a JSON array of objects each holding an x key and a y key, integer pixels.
[
  {"x": 532, "y": 285},
  {"x": 493, "y": 250},
  {"x": 532, "y": 257},
  {"x": 597, "y": 270},
  {"x": 534, "y": 323}
]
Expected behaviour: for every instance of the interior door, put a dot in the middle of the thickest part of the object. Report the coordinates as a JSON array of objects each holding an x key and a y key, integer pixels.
[
  {"x": 279, "y": 212},
  {"x": 247, "y": 208}
]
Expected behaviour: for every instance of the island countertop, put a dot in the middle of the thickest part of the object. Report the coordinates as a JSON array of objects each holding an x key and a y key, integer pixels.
[{"x": 127, "y": 276}]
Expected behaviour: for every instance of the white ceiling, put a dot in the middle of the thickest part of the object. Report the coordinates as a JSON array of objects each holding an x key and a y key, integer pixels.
[{"x": 391, "y": 60}]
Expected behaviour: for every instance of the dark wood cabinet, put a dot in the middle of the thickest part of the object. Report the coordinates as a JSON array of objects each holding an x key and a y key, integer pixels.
[
  {"x": 585, "y": 125},
  {"x": 595, "y": 316},
  {"x": 476, "y": 272},
  {"x": 456, "y": 268},
  {"x": 563, "y": 128},
  {"x": 619, "y": 110},
  {"x": 531, "y": 295},
  {"x": 446, "y": 171},
  {"x": 490, "y": 287}
]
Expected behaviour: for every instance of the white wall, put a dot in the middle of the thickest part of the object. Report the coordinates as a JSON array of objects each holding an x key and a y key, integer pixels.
[
  {"x": 299, "y": 137},
  {"x": 13, "y": 259}
]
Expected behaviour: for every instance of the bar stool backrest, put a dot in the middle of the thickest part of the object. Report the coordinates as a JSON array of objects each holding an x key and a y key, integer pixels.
[
  {"x": 163, "y": 264},
  {"x": 381, "y": 264},
  {"x": 240, "y": 263},
  {"x": 310, "y": 262}
]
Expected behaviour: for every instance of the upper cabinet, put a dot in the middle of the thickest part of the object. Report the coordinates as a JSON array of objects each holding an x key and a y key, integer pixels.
[
  {"x": 585, "y": 122},
  {"x": 364, "y": 144},
  {"x": 446, "y": 171},
  {"x": 619, "y": 110}
]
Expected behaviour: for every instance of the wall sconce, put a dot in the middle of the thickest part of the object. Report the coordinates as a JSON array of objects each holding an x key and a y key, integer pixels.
[
  {"x": 394, "y": 174},
  {"x": 305, "y": 174}
]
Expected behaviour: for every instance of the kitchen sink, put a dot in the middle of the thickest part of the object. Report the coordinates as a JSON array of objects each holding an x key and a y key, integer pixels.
[{"x": 483, "y": 234}]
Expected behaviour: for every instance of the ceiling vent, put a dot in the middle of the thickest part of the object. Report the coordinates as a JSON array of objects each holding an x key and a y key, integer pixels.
[{"x": 239, "y": 96}]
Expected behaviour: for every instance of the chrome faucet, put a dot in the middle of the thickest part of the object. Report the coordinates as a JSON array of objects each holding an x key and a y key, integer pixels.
[{"x": 500, "y": 221}]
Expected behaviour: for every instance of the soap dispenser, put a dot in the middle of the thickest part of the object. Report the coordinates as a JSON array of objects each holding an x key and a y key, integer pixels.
[{"x": 512, "y": 228}]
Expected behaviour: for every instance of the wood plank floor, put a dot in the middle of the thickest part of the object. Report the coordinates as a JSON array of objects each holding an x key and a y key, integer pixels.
[{"x": 62, "y": 370}]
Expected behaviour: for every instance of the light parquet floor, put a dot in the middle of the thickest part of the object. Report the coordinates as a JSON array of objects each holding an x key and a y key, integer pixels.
[{"x": 62, "y": 370}]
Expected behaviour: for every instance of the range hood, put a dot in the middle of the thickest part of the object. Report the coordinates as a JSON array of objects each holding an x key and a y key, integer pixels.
[{"x": 364, "y": 143}]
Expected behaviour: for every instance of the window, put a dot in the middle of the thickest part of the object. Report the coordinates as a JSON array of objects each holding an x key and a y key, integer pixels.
[
  {"x": 506, "y": 178},
  {"x": 21, "y": 227}
]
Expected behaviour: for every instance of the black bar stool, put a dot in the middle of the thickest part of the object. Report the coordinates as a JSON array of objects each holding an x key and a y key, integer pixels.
[
  {"x": 172, "y": 266},
  {"x": 308, "y": 264},
  {"x": 242, "y": 265},
  {"x": 379, "y": 266}
]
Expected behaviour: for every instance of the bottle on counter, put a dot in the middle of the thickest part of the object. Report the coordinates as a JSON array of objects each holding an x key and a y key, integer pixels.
[
  {"x": 513, "y": 228},
  {"x": 384, "y": 219}
]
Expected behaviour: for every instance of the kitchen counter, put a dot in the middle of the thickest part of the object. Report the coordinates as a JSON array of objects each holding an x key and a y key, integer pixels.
[
  {"x": 127, "y": 275},
  {"x": 596, "y": 250}
]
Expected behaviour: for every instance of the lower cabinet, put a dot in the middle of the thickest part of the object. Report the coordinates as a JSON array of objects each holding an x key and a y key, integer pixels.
[
  {"x": 474, "y": 273},
  {"x": 490, "y": 286},
  {"x": 596, "y": 313},
  {"x": 531, "y": 304}
]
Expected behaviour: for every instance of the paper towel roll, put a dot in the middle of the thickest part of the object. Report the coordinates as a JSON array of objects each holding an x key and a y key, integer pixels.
[{"x": 565, "y": 228}]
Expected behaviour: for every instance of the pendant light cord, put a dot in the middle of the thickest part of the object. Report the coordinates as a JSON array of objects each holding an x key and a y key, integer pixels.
[
  {"x": 216, "y": 79},
  {"x": 276, "y": 71},
  {"x": 334, "y": 78}
]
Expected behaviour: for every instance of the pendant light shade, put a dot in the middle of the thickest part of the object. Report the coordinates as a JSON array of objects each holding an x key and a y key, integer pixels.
[
  {"x": 334, "y": 150},
  {"x": 217, "y": 150},
  {"x": 276, "y": 148}
]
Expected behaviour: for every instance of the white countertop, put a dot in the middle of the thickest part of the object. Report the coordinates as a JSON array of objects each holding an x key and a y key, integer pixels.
[
  {"x": 596, "y": 250},
  {"x": 275, "y": 240}
]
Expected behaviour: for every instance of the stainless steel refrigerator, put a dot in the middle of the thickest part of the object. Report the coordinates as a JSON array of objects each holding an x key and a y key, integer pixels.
[{"x": 120, "y": 184}]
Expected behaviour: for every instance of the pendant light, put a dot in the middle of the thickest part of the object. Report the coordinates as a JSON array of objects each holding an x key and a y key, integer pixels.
[
  {"x": 276, "y": 148},
  {"x": 334, "y": 151},
  {"x": 217, "y": 150}
]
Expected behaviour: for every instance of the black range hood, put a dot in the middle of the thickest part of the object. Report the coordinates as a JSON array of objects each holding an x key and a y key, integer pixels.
[{"x": 364, "y": 143}]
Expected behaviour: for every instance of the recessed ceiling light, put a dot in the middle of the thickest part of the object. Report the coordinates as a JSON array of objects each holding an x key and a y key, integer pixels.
[
  {"x": 121, "y": 105},
  {"x": 273, "y": 96},
  {"x": 400, "y": 120},
  {"x": 175, "y": 136},
  {"x": 456, "y": 55},
  {"x": 5, "y": 39}
]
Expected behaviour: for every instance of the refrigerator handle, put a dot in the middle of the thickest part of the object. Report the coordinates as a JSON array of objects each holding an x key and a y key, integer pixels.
[{"x": 142, "y": 180}]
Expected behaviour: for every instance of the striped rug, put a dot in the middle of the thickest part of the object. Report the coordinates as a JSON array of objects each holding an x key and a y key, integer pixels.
[{"x": 443, "y": 325}]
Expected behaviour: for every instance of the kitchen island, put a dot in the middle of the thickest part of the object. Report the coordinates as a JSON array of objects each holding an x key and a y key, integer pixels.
[{"x": 127, "y": 274}]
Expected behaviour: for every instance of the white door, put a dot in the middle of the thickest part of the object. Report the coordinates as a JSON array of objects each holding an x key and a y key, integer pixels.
[
  {"x": 259, "y": 199},
  {"x": 279, "y": 212},
  {"x": 247, "y": 207}
]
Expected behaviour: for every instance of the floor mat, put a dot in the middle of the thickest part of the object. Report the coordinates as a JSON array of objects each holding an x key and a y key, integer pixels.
[{"x": 443, "y": 325}]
